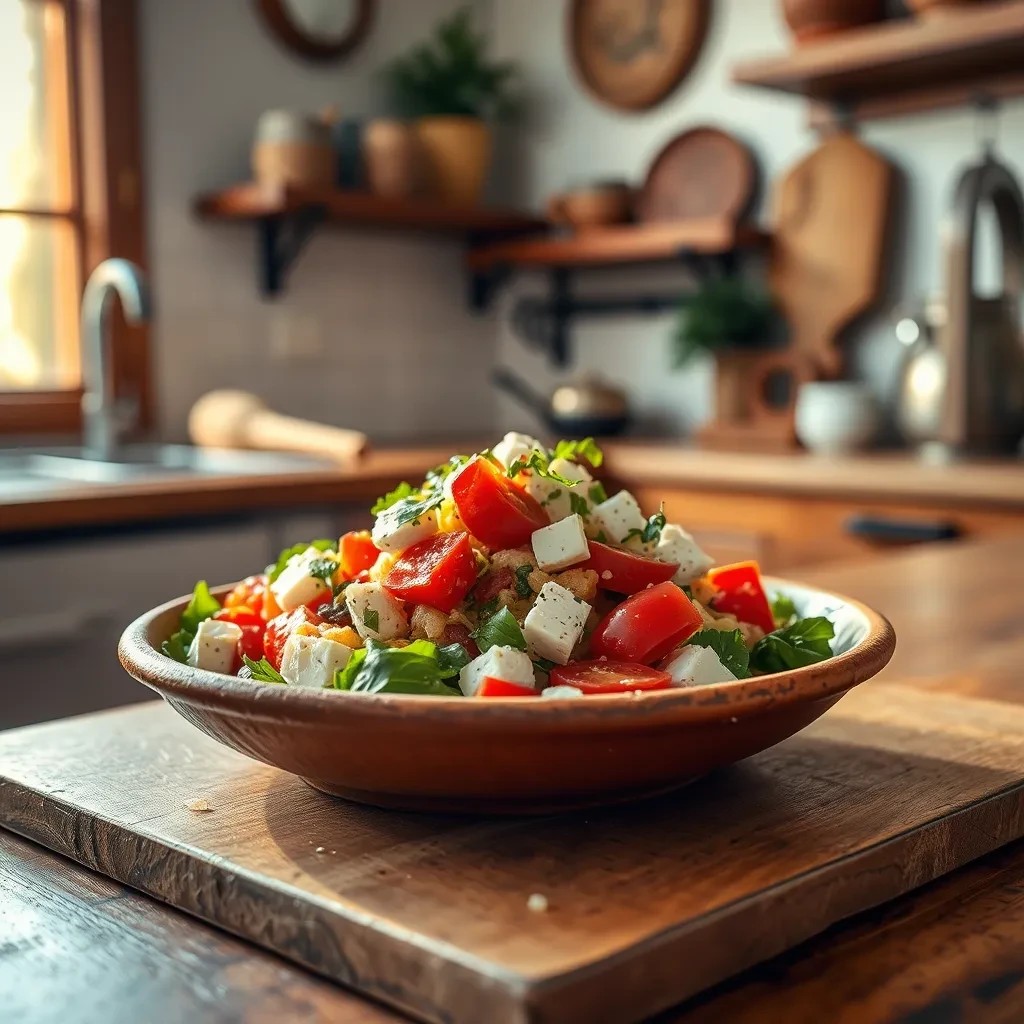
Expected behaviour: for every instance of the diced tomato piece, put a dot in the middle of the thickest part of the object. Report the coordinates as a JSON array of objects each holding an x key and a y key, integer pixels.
[
  {"x": 492, "y": 583},
  {"x": 494, "y": 509},
  {"x": 437, "y": 571},
  {"x": 356, "y": 553},
  {"x": 249, "y": 593},
  {"x": 646, "y": 626},
  {"x": 741, "y": 593},
  {"x": 609, "y": 676},
  {"x": 625, "y": 572},
  {"x": 241, "y": 615},
  {"x": 491, "y": 687},
  {"x": 457, "y": 633},
  {"x": 250, "y": 643},
  {"x": 279, "y": 629}
]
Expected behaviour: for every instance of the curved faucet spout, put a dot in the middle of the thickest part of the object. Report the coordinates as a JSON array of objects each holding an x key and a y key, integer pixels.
[{"x": 100, "y": 412}]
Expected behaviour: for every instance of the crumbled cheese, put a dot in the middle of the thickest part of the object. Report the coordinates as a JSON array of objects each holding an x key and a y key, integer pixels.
[
  {"x": 199, "y": 806},
  {"x": 561, "y": 544},
  {"x": 537, "y": 902},
  {"x": 554, "y": 624}
]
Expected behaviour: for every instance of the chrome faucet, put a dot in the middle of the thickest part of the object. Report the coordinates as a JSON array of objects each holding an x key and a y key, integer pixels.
[{"x": 103, "y": 416}]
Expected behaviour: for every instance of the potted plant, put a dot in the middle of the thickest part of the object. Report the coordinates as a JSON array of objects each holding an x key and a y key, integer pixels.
[
  {"x": 453, "y": 91},
  {"x": 723, "y": 315}
]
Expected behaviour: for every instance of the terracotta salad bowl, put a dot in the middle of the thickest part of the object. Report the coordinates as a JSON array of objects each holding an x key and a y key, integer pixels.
[{"x": 507, "y": 755}]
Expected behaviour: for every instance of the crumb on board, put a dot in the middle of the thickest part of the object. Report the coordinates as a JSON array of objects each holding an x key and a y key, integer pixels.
[
  {"x": 537, "y": 902},
  {"x": 320, "y": 849},
  {"x": 198, "y": 806}
]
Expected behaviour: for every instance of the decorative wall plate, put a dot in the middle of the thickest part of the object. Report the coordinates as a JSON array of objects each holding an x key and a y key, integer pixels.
[{"x": 632, "y": 53}]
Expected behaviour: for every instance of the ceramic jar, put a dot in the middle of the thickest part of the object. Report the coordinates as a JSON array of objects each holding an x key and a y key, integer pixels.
[
  {"x": 392, "y": 158},
  {"x": 833, "y": 417},
  {"x": 293, "y": 149}
]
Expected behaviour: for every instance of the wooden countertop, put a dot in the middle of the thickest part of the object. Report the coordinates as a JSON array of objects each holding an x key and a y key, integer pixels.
[
  {"x": 994, "y": 485},
  {"x": 77, "y": 946}
]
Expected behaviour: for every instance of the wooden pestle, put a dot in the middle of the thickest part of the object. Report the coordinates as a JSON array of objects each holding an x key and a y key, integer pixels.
[{"x": 238, "y": 419}]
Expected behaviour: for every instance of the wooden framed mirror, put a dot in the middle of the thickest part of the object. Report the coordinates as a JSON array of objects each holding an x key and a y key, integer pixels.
[{"x": 319, "y": 30}]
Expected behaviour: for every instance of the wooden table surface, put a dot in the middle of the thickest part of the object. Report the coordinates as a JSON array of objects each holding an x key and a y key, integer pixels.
[{"x": 74, "y": 946}]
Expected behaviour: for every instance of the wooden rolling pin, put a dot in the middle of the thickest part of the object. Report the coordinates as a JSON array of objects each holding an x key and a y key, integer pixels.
[{"x": 237, "y": 419}]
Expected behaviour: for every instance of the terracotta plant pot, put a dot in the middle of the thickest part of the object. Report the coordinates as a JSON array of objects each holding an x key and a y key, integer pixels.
[
  {"x": 812, "y": 19},
  {"x": 392, "y": 158},
  {"x": 930, "y": 7},
  {"x": 457, "y": 156}
]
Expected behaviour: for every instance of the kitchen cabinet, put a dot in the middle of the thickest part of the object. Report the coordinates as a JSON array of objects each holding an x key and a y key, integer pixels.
[
  {"x": 785, "y": 532},
  {"x": 64, "y": 602}
]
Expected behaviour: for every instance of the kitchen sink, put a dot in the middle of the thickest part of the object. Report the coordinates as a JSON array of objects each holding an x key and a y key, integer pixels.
[{"x": 28, "y": 471}]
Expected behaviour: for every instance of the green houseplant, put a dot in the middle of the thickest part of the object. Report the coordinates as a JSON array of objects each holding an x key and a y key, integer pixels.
[
  {"x": 723, "y": 315},
  {"x": 453, "y": 90}
]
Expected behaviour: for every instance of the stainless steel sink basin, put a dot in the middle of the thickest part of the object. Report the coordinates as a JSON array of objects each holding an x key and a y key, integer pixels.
[{"x": 28, "y": 471}]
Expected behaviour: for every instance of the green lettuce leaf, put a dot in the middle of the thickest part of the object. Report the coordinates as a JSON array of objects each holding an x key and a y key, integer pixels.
[
  {"x": 587, "y": 448},
  {"x": 804, "y": 642},
  {"x": 500, "y": 630},
  {"x": 262, "y": 671},
  {"x": 403, "y": 490},
  {"x": 202, "y": 607},
  {"x": 729, "y": 646},
  {"x": 415, "y": 669},
  {"x": 783, "y": 609}
]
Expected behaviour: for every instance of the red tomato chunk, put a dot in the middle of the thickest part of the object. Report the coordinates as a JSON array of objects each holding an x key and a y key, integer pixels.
[
  {"x": 495, "y": 509},
  {"x": 646, "y": 626},
  {"x": 437, "y": 571},
  {"x": 625, "y": 572}
]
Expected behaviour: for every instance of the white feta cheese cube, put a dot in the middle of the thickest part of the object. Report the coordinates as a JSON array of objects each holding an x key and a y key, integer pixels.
[
  {"x": 555, "y": 623},
  {"x": 388, "y": 536},
  {"x": 554, "y": 692},
  {"x": 696, "y": 666},
  {"x": 312, "y": 660},
  {"x": 561, "y": 544},
  {"x": 454, "y": 475},
  {"x": 295, "y": 586},
  {"x": 500, "y": 663},
  {"x": 376, "y": 614},
  {"x": 616, "y": 517},
  {"x": 514, "y": 446},
  {"x": 676, "y": 545},
  {"x": 215, "y": 646},
  {"x": 554, "y": 496}
]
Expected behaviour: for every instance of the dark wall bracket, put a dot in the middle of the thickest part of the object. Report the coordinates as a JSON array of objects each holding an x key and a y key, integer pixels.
[
  {"x": 546, "y": 323},
  {"x": 280, "y": 240}
]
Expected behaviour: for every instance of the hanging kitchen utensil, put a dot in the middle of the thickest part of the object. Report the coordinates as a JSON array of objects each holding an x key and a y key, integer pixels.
[
  {"x": 702, "y": 172},
  {"x": 829, "y": 244},
  {"x": 982, "y": 359},
  {"x": 588, "y": 406}
]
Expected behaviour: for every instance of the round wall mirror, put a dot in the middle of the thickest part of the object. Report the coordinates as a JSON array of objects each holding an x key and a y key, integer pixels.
[{"x": 322, "y": 30}]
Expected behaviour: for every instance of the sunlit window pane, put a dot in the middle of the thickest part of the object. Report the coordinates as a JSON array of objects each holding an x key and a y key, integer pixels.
[
  {"x": 37, "y": 299},
  {"x": 33, "y": 110}
]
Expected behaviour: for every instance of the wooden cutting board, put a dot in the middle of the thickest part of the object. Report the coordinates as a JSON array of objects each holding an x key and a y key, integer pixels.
[
  {"x": 647, "y": 903},
  {"x": 831, "y": 215}
]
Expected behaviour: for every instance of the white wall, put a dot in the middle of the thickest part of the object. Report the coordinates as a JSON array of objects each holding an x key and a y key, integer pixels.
[
  {"x": 398, "y": 343},
  {"x": 390, "y": 302},
  {"x": 572, "y": 136}
]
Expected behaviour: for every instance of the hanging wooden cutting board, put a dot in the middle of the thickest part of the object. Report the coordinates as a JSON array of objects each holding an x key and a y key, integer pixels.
[{"x": 830, "y": 233}]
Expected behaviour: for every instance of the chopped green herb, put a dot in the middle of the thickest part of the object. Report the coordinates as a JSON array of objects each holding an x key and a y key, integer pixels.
[
  {"x": 372, "y": 619},
  {"x": 728, "y": 644},
  {"x": 436, "y": 477},
  {"x": 587, "y": 448},
  {"x": 408, "y": 510},
  {"x": 602, "y": 537},
  {"x": 597, "y": 492},
  {"x": 378, "y": 668},
  {"x": 578, "y": 505},
  {"x": 500, "y": 630},
  {"x": 538, "y": 463},
  {"x": 323, "y": 569},
  {"x": 783, "y": 609},
  {"x": 523, "y": 588},
  {"x": 553, "y": 496},
  {"x": 202, "y": 607},
  {"x": 275, "y": 570},
  {"x": 651, "y": 533},
  {"x": 262, "y": 671},
  {"x": 403, "y": 490},
  {"x": 804, "y": 642}
]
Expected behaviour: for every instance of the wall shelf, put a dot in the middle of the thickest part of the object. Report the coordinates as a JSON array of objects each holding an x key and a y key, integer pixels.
[
  {"x": 902, "y": 67},
  {"x": 288, "y": 217},
  {"x": 704, "y": 245}
]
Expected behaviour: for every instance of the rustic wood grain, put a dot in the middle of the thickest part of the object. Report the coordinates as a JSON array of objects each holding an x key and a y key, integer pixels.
[
  {"x": 648, "y": 903},
  {"x": 77, "y": 947}
]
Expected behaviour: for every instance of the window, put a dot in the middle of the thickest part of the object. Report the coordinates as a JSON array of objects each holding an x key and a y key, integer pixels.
[{"x": 70, "y": 196}]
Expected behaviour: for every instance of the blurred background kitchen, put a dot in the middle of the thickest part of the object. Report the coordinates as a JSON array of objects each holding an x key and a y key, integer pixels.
[{"x": 773, "y": 250}]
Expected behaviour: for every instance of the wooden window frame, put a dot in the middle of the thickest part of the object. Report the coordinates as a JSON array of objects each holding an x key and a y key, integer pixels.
[{"x": 106, "y": 166}]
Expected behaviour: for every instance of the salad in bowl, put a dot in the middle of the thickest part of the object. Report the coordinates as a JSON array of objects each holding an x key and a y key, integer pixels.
[{"x": 506, "y": 573}]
